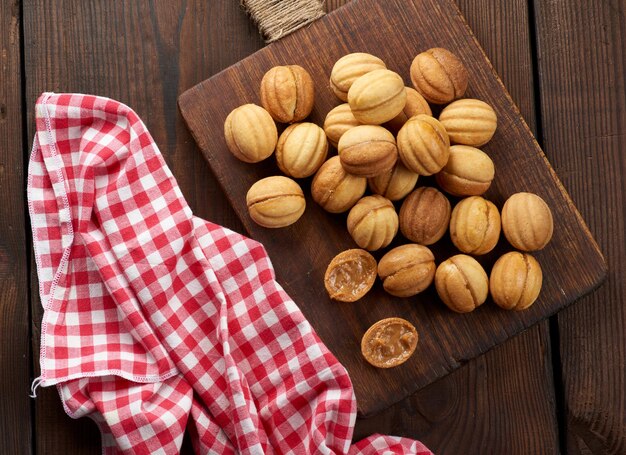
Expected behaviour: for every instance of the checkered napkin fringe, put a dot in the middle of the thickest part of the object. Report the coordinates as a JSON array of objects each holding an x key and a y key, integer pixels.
[{"x": 156, "y": 321}]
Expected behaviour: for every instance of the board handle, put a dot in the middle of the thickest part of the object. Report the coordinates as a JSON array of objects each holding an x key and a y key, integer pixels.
[{"x": 278, "y": 18}]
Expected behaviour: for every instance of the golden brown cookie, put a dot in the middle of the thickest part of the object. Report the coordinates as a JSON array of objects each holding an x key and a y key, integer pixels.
[
  {"x": 425, "y": 215},
  {"x": 250, "y": 133},
  {"x": 275, "y": 202},
  {"x": 367, "y": 150},
  {"x": 349, "y": 68},
  {"x": 423, "y": 145},
  {"x": 373, "y": 222},
  {"x": 407, "y": 270},
  {"x": 469, "y": 122},
  {"x": 462, "y": 283},
  {"x": 475, "y": 225},
  {"x": 468, "y": 172},
  {"x": 395, "y": 183},
  {"x": 336, "y": 190},
  {"x": 377, "y": 97},
  {"x": 415, "y": 105},
  {"x": 301, "y": 149},
  {"x": 339, "y": 120},
  {"x": 439, "y": 75},
  {"x": 527, "y": 221},
  {"x": 515, "y": 281},
  {"x": 288, "y": 93}
]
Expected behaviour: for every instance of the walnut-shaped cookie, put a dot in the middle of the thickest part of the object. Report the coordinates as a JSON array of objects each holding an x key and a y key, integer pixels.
[
  {"x": 336, "y": 190},
  {"x": 462, "y": 283},
  {"x": 407, "y": 270},
  {"x": 288, "y": 93},
  {"x": 423, "y": 145},
  {"x": 468, "y": 172},
  {"x": 301, "y": 149},
  {"x": 367, "y": 150},
  {"x": 469, "y": 122},
  {"x": 425, "y": 215},
  {"x": 416, "y": 104},
  {"x": 515, "y": 281},
  {"x": 349, "y": 68},
  {"x": 475, "y": 225},
  {"x": 395, "y": 183},
  {"x": 275, "y": 202},
  {"x": 439, "y": 75},
  {"x": 339, "y": 120},
  {"x": 250, "y": 133},
  {"x": 377, "y": 97},
  {"x": 527, "y": 221},
  {"x": 373, "y": 222}
]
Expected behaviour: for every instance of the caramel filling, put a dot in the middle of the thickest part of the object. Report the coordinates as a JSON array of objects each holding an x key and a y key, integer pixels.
[
  {"x": 350, "y": 278},
  {"x": 391, "y": 343}
]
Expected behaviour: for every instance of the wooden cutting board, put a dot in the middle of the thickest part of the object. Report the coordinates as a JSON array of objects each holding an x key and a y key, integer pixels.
[{"x": 394, "y": 30}]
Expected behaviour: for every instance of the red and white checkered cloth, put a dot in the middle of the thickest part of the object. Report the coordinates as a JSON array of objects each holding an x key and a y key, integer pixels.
[{"x": 157, "y": 321}]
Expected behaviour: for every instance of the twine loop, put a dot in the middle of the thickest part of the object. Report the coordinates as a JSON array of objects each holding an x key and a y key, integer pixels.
[{"x": 278, "y": 18}]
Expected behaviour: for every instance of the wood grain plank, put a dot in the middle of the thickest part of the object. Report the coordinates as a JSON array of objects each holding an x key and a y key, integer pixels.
[
  {"x": 446, "y": 414},
  {"x": 500, "y": 403},
  {"x": 395, "y": 31},
  {"x": 583, "y": 97},
  {"x": 14, "y": 316},
  {"x": 143, "y": 53},
  {"x": 197, "y": 188}
]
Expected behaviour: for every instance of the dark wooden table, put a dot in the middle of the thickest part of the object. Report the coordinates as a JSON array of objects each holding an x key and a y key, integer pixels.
[{"x": 559, "y": 387}]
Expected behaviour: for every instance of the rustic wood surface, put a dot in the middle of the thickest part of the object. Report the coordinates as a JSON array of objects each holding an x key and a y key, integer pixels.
[
  {"x": 582, "y": 67},
  {"x": 395, "y": 31},
  {"x": 441, "y": 414},
  {"x": 146, "y": 53},
  {"x": 143, "y": 54},
  {"x": 14, "y": 314}
]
